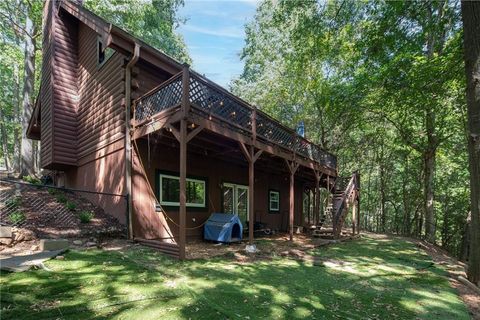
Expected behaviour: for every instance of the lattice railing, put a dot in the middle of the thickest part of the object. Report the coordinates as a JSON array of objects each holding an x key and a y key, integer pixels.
[
  {"x": 217, "y": 104},
  {"x": 272, "y": 132},
  {"x": 165, "y": 96}
]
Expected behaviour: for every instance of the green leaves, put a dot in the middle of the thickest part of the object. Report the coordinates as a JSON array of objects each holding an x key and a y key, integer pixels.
[
  {"x": 153, "y": 21},
  {"x": 380, "y": 84}
]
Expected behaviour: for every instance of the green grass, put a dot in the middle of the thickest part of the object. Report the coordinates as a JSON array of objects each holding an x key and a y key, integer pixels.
[
  {"x": 86, "y": 216},
  {"x": 380, "y": 279}
]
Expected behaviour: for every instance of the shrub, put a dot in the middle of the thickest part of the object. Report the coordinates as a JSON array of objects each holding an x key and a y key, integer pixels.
[
  {"x": 61, "y": 198},
  {"x": 86, "y": 216},
  {"x": 14, "y": 202},
  {"x": 31, "y": 179},
  {"x": 52, "y": 191},
  {"x": 70, "y": 205},
  {"x": 16, "y": 217}
]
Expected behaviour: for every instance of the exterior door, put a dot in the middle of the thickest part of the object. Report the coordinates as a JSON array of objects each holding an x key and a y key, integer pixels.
[{"x": 235, "y": 200}]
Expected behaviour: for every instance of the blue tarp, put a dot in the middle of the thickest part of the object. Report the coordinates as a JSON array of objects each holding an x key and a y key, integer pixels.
[{"x": 223, "y": 227}]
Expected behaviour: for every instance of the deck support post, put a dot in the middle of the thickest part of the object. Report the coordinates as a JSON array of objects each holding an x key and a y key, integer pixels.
[
  {"x": 354, "y": 215},
  {"x": 292, "y": 167},
  {"x": 317, "y": 197},
  {"x": 251, "y": 157},
  {"x": 183, "y": 195},
  {"x": 183, "y": 140}
]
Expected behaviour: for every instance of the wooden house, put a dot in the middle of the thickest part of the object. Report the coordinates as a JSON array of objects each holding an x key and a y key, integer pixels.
[{"x": 115, "y": 115}]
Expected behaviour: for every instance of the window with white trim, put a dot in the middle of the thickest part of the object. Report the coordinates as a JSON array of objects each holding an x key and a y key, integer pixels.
[
  {"x": 274, "y": 201},
  {"x": 170, "y": 191}
]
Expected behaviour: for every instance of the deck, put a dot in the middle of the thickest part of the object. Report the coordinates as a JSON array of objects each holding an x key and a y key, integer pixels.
[{"x": 218, "y": 110}]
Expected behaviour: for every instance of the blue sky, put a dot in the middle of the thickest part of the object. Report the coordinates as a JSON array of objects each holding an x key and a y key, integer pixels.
[{"x": 214, "y": 33}]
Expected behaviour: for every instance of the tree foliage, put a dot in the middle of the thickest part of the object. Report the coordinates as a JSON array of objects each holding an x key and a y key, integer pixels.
[
  {"x": 155, "y": 22},
  {"x": 152, "y": 21},
  {"x": 381, "y": 85}
]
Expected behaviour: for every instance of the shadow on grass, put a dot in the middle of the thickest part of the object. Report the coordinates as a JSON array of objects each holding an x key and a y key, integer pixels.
[{"x": 378, "y": 280}]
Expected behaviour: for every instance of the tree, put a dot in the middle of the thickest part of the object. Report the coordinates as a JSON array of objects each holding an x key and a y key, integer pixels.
[
  {"x": 381, "y": 85},
  {"x": 153, "y": 21},
  {"x": 471, "y": 32}
]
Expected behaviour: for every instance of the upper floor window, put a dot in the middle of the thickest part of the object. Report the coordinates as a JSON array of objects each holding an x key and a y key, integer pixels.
[{"x": 103, "y": 53}]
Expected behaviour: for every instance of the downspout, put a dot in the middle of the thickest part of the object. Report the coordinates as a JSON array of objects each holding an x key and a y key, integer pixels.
[{"x": 128, "y": 138}]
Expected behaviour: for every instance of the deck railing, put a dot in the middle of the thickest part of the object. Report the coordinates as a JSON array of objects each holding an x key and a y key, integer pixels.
[{"x": 217, "y": 104}]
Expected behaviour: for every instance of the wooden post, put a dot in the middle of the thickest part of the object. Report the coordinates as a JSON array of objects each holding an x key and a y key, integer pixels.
[
  {"x": 251, "y": 157},
  {"x": 292, "y": 166},
  {"x": 183, "y": 184},
  {"x": 186, "y": 89},
  {"x": 291, "y": 207},
  {"x": 251, "y": 199},
  {"x": 317, "y": 197},
  {"x": 354, "y": 216}
]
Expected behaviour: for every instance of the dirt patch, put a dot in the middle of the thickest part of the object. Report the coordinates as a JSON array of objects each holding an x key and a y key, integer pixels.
[
  {"x": 50, "y": 213},
  {"x": 268, "y": 247},
  {"x": 455, "y": 269}
]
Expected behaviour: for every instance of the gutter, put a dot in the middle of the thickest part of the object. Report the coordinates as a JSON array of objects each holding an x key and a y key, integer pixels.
[{"x": 128, "y": 137}]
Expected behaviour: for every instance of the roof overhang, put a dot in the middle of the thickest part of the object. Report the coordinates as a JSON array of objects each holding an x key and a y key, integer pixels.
[{"x": 121, "y": 40}]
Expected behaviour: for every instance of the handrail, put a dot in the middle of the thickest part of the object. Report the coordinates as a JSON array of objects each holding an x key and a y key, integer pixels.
[
  {"x": 205, "y": 95},
  {"x": 159, "y": 87},
  {"x": 349, "y": 188}
]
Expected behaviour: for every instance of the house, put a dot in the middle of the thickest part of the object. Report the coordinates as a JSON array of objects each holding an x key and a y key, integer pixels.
[{"x": 115, "y": 115}]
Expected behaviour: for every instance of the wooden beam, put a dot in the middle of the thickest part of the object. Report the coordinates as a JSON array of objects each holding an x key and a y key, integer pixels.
[
  {"x": 354, "y": 216},
  {"x": 186, "y": 89},
  {"x": 292, "y": 167},
  {"x": 271, "y": 149},
  {"x": 317, "y": 197},
  {"x": 194, "y": 132},
  {"x": 176, "y": 132},
  {"x": 251, "y": 200},
  {"x": 155, "y": 125},
  {"x": 245, "y": 152},
  {"x": 183, "y": 193},
  {"x": 257, "y": 155}
]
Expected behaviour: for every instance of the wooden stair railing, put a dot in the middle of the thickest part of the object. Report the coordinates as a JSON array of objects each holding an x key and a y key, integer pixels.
[{"x": 343, "y": 197}]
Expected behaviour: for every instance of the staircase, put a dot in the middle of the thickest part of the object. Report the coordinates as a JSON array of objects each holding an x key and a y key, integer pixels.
[{"x": 346, "y": 192}]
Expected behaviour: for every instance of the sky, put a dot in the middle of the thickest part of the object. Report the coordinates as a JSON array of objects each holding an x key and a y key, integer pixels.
[{"x": 214, "y": 34}]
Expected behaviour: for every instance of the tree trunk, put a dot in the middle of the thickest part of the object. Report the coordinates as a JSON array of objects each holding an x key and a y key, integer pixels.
[
  {"x": 26, "y": 156},
  {"x": 16, "y": 129},
  {"x": 429, "y": 170},
  {"x": 471, "y": 30},
  {"x": 4, "y": 141}
]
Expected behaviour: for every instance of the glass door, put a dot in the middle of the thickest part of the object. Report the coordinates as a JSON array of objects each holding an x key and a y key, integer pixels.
[
  {"x": 235, "y": 200},
  {"x": 242, "y": 203}
]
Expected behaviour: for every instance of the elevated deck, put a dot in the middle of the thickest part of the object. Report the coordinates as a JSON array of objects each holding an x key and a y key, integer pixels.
[{"x": 216, "y": 109}]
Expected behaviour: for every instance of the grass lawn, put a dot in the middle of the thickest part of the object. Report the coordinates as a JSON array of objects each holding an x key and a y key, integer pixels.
[{"x": 365, "y": 279}]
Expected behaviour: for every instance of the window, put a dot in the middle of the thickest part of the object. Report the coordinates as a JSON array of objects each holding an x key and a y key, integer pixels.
[
  {"x": 235, "y": 200},
  {"x": 103, "y": 53},
  {"x": 170, "y": 191},
  {"x": 274, "y": 201}
]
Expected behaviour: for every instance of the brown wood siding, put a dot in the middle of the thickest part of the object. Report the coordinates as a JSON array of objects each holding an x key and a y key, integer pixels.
[
  {"x": 102, "y": 96},
  {"x": 46, "y": 94},
  {"x": 149, "y": 224},
  {"x": 65, "y": 90},
  {"x": 148, "y": 77}
]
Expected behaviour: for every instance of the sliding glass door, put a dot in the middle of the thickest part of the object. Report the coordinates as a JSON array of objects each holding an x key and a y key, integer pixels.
[{"x": 235, "y": 200}]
